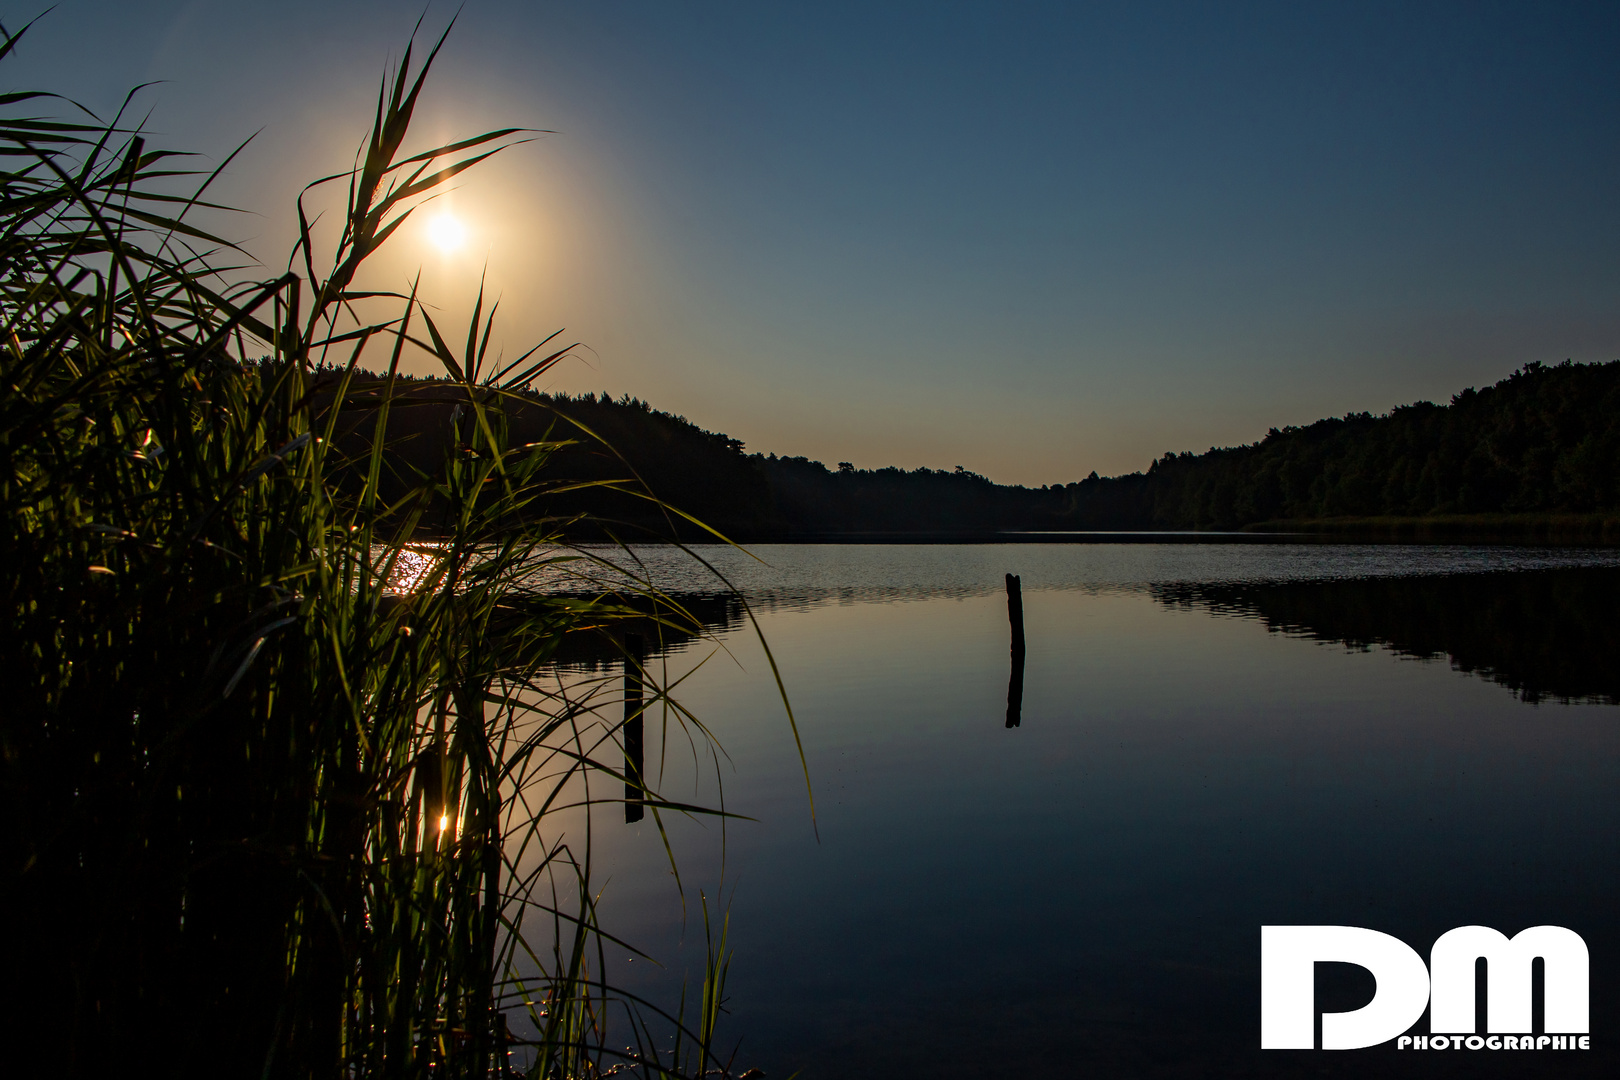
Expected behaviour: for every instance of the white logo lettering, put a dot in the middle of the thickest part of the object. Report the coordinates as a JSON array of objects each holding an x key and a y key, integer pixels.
[
  {"x": 1288, "y": 959},
  {"x": 1507, "y": 979},
  {"x": 1289, "y": 955}
]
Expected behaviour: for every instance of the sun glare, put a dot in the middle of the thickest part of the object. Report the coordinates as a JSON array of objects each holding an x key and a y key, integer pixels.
[{"x": 446, "y": 233}]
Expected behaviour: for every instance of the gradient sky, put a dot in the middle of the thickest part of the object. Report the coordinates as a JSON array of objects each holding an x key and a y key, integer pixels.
[{"x": 1030, "y": 239}]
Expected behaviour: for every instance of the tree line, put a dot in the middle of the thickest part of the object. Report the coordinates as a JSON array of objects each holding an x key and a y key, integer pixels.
[{"x": 1544, "y": 441}]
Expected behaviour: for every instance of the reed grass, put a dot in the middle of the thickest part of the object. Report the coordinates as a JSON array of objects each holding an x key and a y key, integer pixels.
[{"x": 269, "y": 811}]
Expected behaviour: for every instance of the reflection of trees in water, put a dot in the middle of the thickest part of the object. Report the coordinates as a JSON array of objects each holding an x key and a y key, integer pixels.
[
  {"x": 668, "y": 630},
  {"x": 663, "y": 629},
  {"x": 1541, "y": 633}
]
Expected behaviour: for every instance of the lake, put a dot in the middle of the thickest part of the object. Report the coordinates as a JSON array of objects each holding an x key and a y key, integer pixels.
[{"x": 1212, "y": 737}]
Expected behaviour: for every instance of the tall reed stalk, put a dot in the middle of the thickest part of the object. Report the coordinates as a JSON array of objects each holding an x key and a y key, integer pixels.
[{"x": 269, "y": 811}]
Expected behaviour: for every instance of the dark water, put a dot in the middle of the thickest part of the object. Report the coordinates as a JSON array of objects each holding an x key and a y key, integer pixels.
[{"x": 1212, "y": 739}]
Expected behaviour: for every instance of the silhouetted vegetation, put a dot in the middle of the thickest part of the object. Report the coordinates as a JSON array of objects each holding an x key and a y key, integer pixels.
[{"x": 292, "y": 759}]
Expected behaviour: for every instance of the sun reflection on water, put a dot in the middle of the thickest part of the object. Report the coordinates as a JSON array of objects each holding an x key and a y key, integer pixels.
[{"x": 412, "y": 568}]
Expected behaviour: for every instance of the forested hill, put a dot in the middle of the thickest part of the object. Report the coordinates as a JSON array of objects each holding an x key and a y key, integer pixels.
[{"x": 1544, "y": 441}]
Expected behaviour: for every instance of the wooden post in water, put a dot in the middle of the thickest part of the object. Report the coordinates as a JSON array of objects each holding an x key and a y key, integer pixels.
[
  {"x": 1015, "y": 683},
  {"x": 634, "y": 729}
]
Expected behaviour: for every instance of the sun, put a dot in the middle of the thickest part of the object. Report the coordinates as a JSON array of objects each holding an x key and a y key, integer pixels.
[{"x": 447, "y": 233}]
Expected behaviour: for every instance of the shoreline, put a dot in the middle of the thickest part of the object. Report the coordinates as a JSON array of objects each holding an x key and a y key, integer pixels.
[{"x": 1514, "y": 530}]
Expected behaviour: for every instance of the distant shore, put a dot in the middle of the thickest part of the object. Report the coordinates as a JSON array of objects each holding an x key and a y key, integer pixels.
[
  {"x": 1556, "y": 529},
  {"x": 1455, "y": 528}
]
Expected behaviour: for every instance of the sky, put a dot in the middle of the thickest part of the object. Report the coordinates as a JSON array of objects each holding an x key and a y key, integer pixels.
[{"x": 1033, "y": 240}]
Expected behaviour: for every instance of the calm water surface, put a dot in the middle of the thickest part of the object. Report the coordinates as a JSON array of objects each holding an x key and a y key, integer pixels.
[{"x": 1212, "y": 738}]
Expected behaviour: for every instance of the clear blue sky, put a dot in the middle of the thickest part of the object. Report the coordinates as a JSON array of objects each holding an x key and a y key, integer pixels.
[{"x": 1030, "y": 239}]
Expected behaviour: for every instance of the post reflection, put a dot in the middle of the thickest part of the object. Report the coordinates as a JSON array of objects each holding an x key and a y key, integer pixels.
[{"x": 634, "y": 728}]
